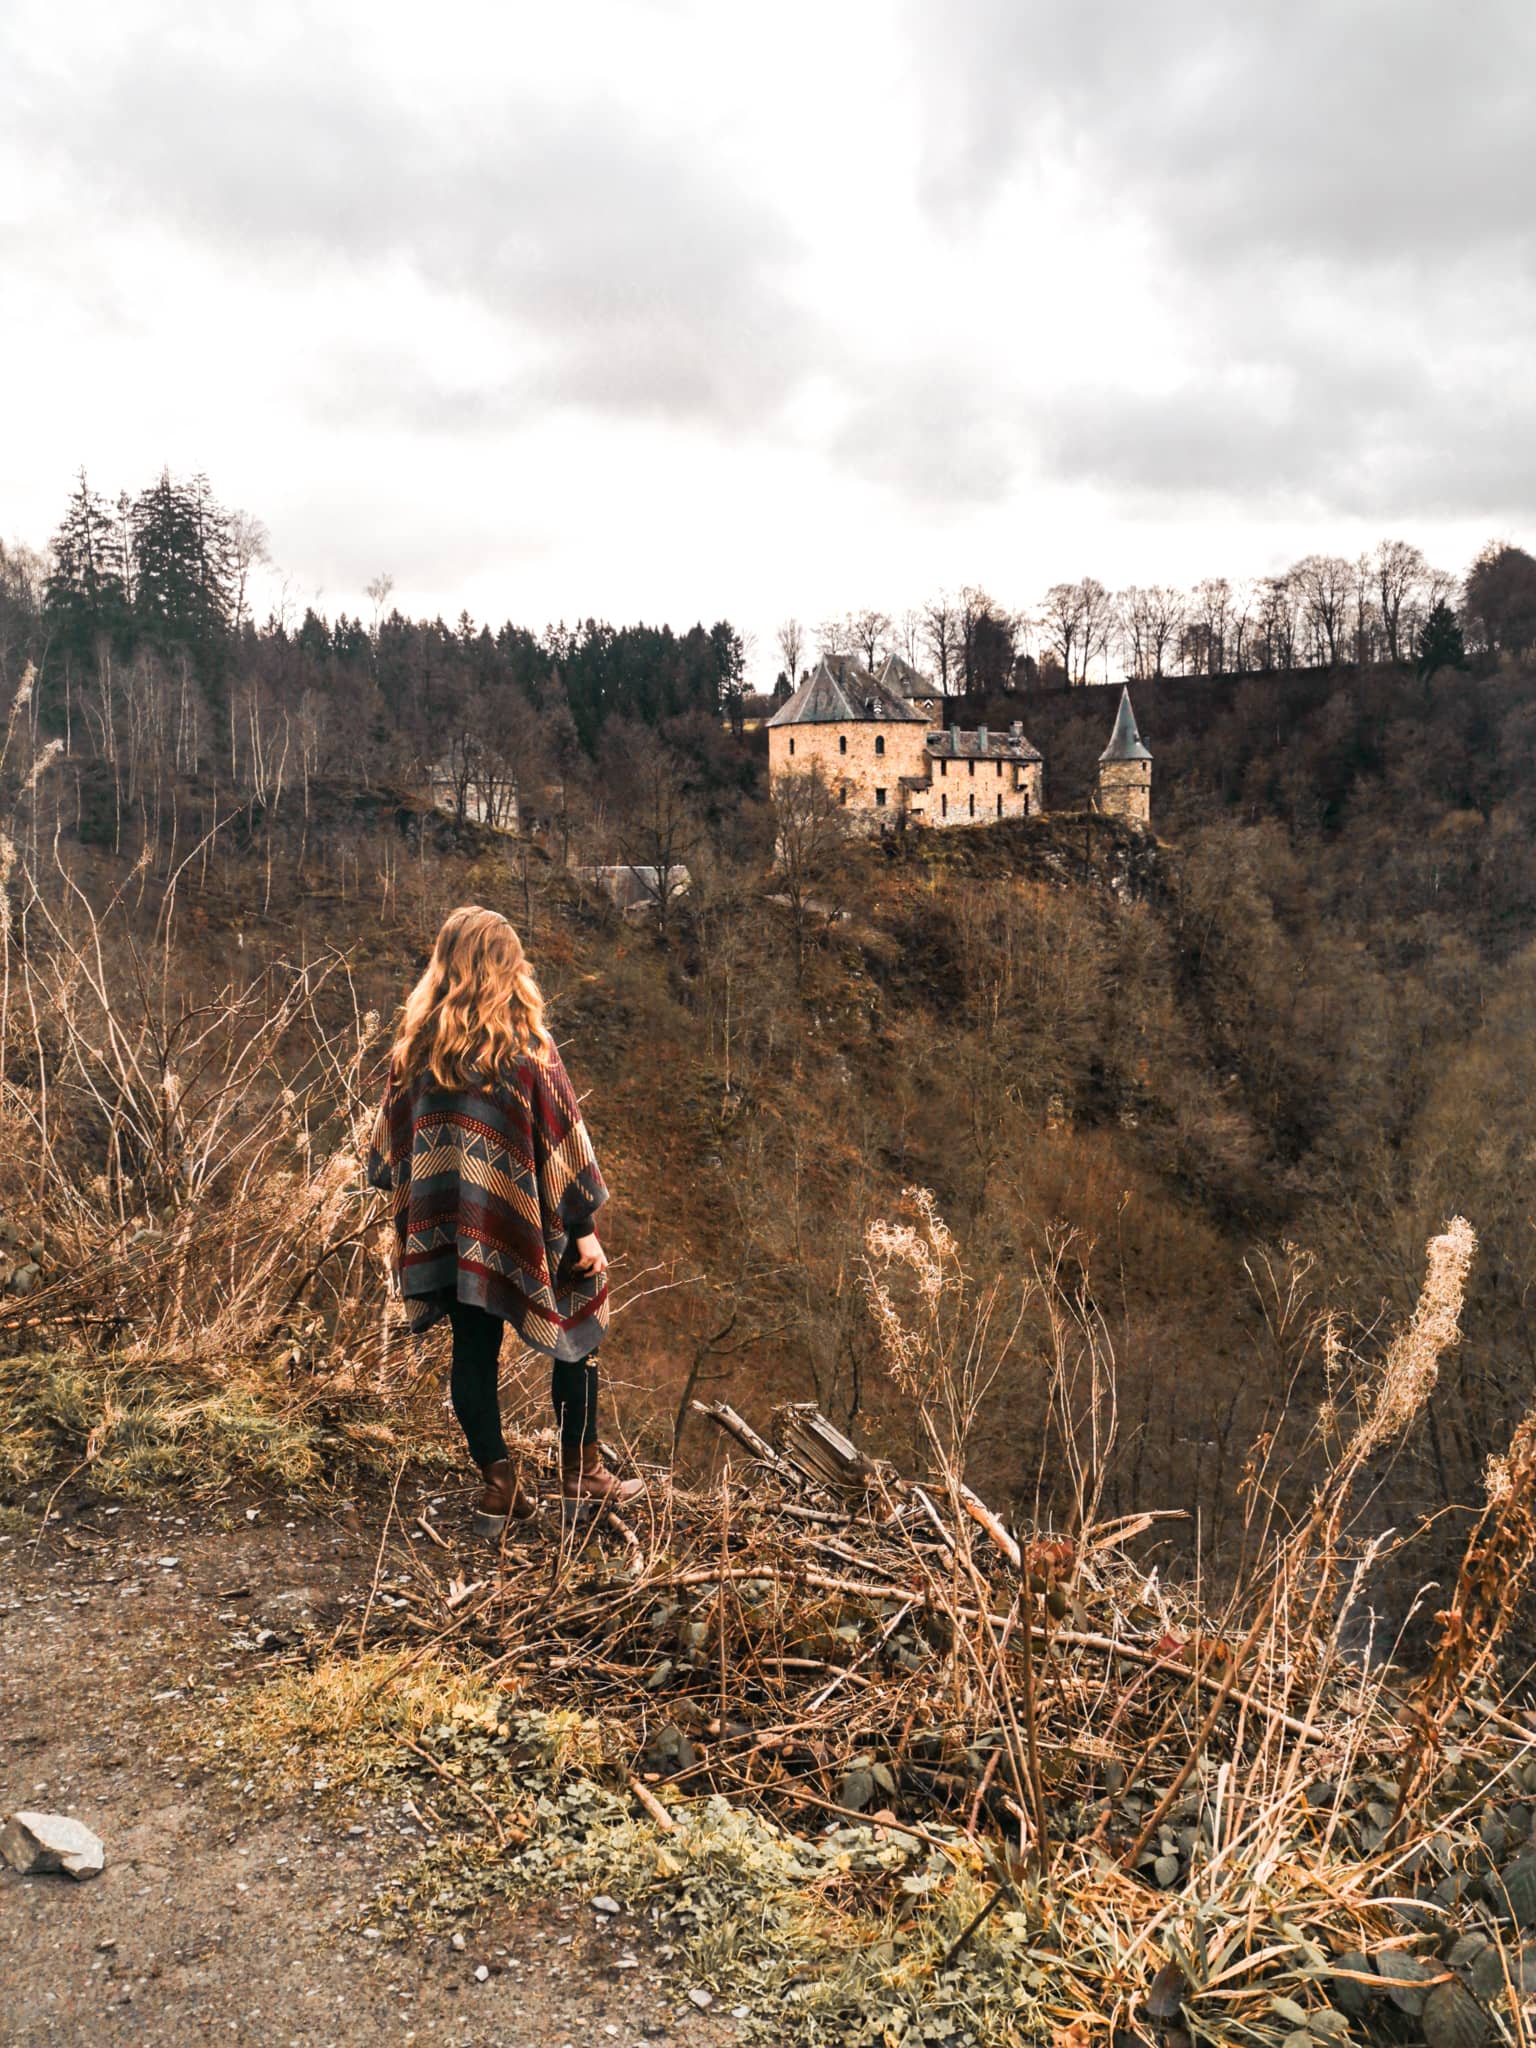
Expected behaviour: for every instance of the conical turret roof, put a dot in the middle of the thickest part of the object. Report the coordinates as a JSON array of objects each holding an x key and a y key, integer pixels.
[{"x": 1125, "y": 743}]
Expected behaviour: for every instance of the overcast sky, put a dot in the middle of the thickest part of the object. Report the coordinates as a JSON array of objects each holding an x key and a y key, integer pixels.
[{"x": 670, "y": 309}]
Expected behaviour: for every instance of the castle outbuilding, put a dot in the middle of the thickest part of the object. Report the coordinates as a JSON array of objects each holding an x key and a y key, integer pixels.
[
  {"x": 1125, "y": 769},
  {"x": 879, "y": 744}
]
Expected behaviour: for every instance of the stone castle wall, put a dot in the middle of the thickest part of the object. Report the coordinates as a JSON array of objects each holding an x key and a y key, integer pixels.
[
  {"x": 851, "y": 762},
  {"x": 967, "y": 791},
  {"x": 1125, "y": 790}
]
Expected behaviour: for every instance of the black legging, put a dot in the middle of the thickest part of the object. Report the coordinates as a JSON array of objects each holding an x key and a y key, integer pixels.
[{"x": 476, "y": 1350}]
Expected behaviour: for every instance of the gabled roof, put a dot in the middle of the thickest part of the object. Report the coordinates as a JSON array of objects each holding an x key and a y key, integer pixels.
[
  {"x": 899, "y": 675},
  {"x": 845, "y": 693},
  {"x": 1125, "y": 742}
]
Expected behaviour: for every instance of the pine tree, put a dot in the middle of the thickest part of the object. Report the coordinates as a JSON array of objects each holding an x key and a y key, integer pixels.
[
  {"x": 1440, "y": 641},
  {"x": 183, "y": 565},
  {"x": 86, "y": 593}
]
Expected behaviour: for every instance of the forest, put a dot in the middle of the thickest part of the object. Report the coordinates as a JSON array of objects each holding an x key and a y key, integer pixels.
[
  {"x": 1223, "y": 1085},
  {"x": 1151, "y": 1210}
]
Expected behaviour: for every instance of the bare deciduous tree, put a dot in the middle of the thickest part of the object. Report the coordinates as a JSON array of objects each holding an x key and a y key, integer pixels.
[
  {"x": 250, "y": 547},
  {"x": 1150, "y": 619},
  {"x": 791, "y": 644},
  {"x": 941, "y": 637},
  {"x": 1325, "y": 585},
  {"x": 378, "y": 590},
  {"x": 1400, "y": 572},
  {"x": 810, "y": 828},
  {"x": 869, "y": 630}
]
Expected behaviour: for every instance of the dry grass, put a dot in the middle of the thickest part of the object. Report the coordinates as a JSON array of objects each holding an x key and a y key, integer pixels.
[{"x": 1059, "y": 1798}]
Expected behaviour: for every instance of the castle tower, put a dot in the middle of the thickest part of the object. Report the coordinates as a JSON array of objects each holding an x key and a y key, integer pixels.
[
  {"x": 1125, "y": 769},
  {"x": 865, "y": 740}
]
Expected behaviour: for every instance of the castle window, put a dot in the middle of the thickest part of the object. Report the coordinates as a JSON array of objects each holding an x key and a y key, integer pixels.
[
  {"x": 943, "y": 806},
  {"x": 791, "y": 743},
  {"x": 1026, "y": 803},
  {"x": 999, "y": 767},
  {"x": 971, "y": 764},
  {"x": 943, "y": 767},
  {"x": 842, "y": 743},
  {"x": 999, "y": 803},
  {"x": 973, "y": 803},
  {"x": 842, "y": 794},
  {"x": 879, "y": 796},
  {"x": 879, "y": 742}
]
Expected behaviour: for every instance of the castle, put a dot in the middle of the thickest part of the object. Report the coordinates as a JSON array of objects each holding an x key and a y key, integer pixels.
[{"x": 879, "y": 743}]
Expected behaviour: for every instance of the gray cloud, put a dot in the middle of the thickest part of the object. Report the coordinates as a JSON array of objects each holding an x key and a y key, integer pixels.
[
  {"x": 647, "y": 285},
  {"x": 949, "y": 437},
  {"x": 1374, "y": 131},
  {"x": 1334, "y": 194}
]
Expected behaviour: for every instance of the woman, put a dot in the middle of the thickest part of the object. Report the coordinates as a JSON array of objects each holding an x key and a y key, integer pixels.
[{"x": 481, "y": 1144}]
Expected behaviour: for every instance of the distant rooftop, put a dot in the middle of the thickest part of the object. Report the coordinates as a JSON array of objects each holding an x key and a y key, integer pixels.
[
  {"x": 984, "y": 744},
  {"x": 899, "y": 675},
  {"x": 841, "y": 691}
]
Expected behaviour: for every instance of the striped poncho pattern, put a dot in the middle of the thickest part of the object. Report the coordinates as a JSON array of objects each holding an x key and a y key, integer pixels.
[{"x": 489, "y": 1192}]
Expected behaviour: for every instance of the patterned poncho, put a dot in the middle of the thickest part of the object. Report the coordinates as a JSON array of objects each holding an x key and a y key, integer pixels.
[{"x": 490, "y": 1192}]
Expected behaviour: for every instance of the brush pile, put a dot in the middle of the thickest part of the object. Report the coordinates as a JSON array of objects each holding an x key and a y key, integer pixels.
[{"x": 1199, "y": 1831}]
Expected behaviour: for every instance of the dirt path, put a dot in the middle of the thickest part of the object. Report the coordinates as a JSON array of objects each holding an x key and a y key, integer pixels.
[{"x": 217, "y": 1919}]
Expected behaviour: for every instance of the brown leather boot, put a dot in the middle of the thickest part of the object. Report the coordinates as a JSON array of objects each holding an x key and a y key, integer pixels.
[
  {"x": 586, "y": 1477},
  {"x": 503, "y": 1498}
]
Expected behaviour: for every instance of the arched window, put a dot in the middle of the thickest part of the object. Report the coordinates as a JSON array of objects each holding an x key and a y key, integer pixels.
[{"x": 879, "y": 742}]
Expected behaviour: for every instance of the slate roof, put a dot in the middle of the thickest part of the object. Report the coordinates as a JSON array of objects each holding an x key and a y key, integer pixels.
[
  {"x": 983, "y": 745},
  {"x": 1125, "y": 742},
  {"x": 899, "y": 675},
  {"x": 843, "y": 692}
]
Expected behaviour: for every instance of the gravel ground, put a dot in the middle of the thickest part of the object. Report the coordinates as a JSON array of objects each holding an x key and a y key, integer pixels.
[{"x": 216, "y": 1920}]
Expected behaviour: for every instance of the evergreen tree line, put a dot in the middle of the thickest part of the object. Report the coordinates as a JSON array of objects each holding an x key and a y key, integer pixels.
[{"x": 138, "y": 625}]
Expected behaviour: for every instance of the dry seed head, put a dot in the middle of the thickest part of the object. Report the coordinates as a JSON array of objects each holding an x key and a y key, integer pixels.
[
  {"x": 899, "y": 1244},
  {"x": 903, "y": 1347},
  {"x": 1412, "y": 1363},
  {"x": 24, "y": 689},
  {"x": 49, "y": 754}
]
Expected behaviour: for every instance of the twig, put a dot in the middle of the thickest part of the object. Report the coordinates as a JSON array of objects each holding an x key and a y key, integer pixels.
[{"x": 653, "y": 1806}]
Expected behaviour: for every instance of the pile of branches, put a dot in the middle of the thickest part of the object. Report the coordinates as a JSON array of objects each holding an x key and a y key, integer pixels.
[
  {"x": 1236, "y": 1834},
  {"x": 1214, "y": 1822}
]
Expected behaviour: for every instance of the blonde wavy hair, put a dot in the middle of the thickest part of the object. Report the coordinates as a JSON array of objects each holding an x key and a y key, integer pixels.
[{"x": 475, "y": 1011}]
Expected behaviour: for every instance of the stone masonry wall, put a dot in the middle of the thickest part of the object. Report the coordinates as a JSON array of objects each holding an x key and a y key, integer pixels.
[
  {"x": 1125, "y": 790},
  {"x": 855, "y": 766},
  {"x": 965, "y": 791},
  {"x": 959, "y": 789}
]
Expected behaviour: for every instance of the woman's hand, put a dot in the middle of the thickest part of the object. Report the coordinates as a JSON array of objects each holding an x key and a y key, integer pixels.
[{"x": 590, "y": 1256}]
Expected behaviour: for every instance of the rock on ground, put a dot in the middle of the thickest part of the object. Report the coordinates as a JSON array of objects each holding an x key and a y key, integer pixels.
[{"x": 34, "y": 1842}]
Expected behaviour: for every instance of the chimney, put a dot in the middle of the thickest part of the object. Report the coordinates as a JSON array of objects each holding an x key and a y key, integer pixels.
[
  {"x": 1016, "y": 730},
  {"x": 981, "y": 739}
]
